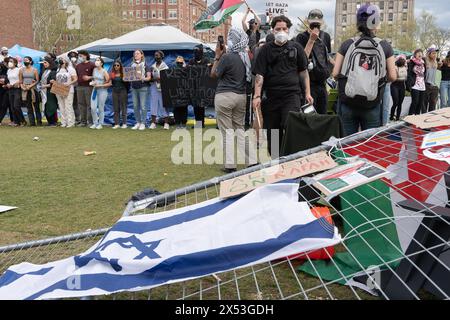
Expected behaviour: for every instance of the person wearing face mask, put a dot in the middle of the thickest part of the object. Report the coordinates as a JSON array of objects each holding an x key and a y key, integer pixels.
[
  {"x": 3, "y": 54},
  {"x": 120, "y": 90},
  {"x": 85, "y": 69},
  {"x": 67, "y": 76},
  {"x": 317, "y": 44},
  {"x": 73, "y": 58},
  {"x": 180, "y": 113},
  {"x": 15, "y": 93},
  {"x": 140, "y": 89},
  {"x": 100, "y": 82},
  {"x": 281, "y": 71},
  {"x": 158, "y": 110},
  {"x": 199, "y": 59},
  {"x": 29, "y": 78},
  {"x": 49, "y": 99}
]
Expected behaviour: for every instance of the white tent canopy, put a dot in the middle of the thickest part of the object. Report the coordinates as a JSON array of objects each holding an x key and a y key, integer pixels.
[
  {"x": 152, "y": 38},
  {"x": 87, "y": 46}
]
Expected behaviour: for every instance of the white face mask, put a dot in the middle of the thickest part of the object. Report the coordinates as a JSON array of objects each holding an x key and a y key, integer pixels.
[
  {"x": 73, "y": 60},
  {"x": 11, "y": 65},
  {"x": 98, "y": 64},
  {"x": 281, "y": 37}
]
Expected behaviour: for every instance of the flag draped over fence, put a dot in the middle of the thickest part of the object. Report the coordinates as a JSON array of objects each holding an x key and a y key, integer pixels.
[
  {"x": 217, "y": 13},
  {"x": 147, "y": 251}
]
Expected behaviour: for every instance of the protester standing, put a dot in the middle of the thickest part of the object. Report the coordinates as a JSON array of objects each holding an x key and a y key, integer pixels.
[
  {"x": 85, "y": 69},
  {"x": 398, "y": 88},
  {"x": 3, "y": 54},
  {"x": 445, "y": 82},
  {"x": 415, "y": 83},
  {"x": 100, "y": 83},
  {"x": 363, "y": 66},
  {"x": 73, "y": 57},
  {"x": 119, "y": 95},
  {"x": 317, "y": 44},
  {"x": 432, "y": 89},
  {"x": 180, "y": 112},
  {"x": 15, "y": 93},
  {"x": 199, "y": 59},
  {"x": 4, "y": 100},
  {"x": 281, "y": 71},
  {"x": 139, "y": 89},
  {"x": 252, "y": 29},
  {"x": 158, "y": 109},
  {"x": 49, "y": 100},
  {"x": 67, "y": 76},
  {"x": 233, "y": 69},
  {"x": 29, "y": 78}
]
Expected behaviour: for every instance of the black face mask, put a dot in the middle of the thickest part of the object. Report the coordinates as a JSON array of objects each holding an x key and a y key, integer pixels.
[
  {"x": 198, "y": 55},
  {"x": 158, "y": 59},
  {"x": 180, "y": 64},
  {"x": 27, "y": 64}
]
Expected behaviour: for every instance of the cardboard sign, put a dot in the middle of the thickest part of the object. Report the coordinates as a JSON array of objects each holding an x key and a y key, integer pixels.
[
  {"x": 432, "y": 119},
  {"x": 277, "y": 8},
  {"x": 291, "y": 170},
  {"x": 132, "y": 74},
  {"x": 191, "y": 85},
  {"x": 60, "y": 89}
]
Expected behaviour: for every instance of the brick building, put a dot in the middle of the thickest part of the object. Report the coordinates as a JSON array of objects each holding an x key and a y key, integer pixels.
[
  {"x": 16, "y": 24},
  {"x": 181, "y": 14},
  {"x": 393, "y": 12}
]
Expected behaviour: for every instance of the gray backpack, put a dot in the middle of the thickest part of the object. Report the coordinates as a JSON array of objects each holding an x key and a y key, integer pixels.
[{"x": 363, "y": 73}]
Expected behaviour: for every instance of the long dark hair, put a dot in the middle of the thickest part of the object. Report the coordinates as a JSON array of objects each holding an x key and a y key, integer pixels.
[
  {"x": 365, "y": 30},
  {"x": 121, "y": 67}
]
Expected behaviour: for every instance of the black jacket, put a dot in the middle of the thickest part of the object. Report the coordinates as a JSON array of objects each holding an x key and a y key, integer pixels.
[{"x": 411, "y": 79}]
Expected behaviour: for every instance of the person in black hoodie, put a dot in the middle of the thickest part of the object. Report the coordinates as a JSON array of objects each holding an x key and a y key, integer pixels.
[{"x": 199, "y": 59}]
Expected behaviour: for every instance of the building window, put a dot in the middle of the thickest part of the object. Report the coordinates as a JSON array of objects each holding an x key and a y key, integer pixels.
[
  {"x": 131, "y": 14},
  {"x": 173, "y": 14},
  {"x": 153, "y": 14},
  {"x": 405, "y": 4},
  {"x": 391, "y": 17},
  {"x": 138, "y": 2},
  {"x": 172, "y": 2},
  {"x": 381, "y": 16},
  {"x": 381, "y": 5},
  {"x": 344, "y": 6},
  {"x": 144, "y": 14},
  {"x": 160, "y": 14},
  {"x": 131, "y": 2},
  {"x": 124, "y": 15},
  {"x": 138, "y": 14},
  {"x": 405, "y": 16},
  {"x": 344, "y": 18},
  {"x": 391, "y": 4}
]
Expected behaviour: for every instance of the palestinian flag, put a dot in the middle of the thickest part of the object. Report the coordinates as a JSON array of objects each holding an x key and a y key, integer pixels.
[
  {"x": 217, "y": 13},
  {"x": 378, "y": 232}
]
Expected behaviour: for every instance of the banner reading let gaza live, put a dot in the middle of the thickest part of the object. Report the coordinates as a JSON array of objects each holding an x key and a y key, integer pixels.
[
  {"x": 191, "y": 85},
  {"x": 277, "y": 8}
]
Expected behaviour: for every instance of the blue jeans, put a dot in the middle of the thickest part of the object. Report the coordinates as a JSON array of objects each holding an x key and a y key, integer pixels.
[
  {"x": 354, "y": 118},
  {"x": 445, "y": 94},
  {"x": 98, "y": 101},
  {"x": 140, "y": 104},
  {"x": 386, "y": 104}
]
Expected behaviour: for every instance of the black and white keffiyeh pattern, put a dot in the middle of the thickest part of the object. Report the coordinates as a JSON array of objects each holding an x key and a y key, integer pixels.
[{"x": 238, "y": 43}]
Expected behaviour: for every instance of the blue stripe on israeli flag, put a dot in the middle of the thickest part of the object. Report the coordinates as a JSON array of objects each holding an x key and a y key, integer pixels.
[{"x": 148, "y": 251}]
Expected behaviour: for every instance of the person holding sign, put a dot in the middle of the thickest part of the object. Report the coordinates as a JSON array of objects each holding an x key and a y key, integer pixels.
[
  {"x": 29, "y": 78},
  {"x": 281, "y": 70},
  {"x": 181, "y": 112},
  {"x": 233, "y": 70},
  {"x": 158, "y": 109},
  {"x": 101, "y": 82},
  {"x": 252, "y": 29},
  {"x": 66, "y": 76},
  {"x": 139, "y": 89}
]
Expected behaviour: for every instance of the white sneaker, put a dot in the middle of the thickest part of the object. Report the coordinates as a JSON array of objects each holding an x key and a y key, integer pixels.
[
  {"x": 63, "y": 126},
  {"x": 93, "y": 126},
  {"x": 153, "y": 126},
  {"x": 142, "y": 127},
  {"x": 124, "y": 126},
  {"x": 166, "y": 126},
  {"x": 99, "y": 127},
  {"x": 136, "y": 126},
  {"x": 116, "y": 127}
]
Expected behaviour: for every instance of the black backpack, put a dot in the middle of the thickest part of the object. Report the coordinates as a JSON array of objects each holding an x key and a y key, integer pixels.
[{"x": 322, "y": 66}]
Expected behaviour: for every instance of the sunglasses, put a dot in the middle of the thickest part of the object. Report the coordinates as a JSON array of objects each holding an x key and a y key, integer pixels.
[
  {"x": 316, "y": 16},
  {"x": 117, "y": 65}
]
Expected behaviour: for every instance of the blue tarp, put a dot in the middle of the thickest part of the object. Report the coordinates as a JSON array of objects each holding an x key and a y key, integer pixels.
[{"x": 22, "y": 52}]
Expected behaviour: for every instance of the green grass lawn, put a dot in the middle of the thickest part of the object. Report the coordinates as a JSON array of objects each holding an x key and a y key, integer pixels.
[{"x": 59, "y": 190}]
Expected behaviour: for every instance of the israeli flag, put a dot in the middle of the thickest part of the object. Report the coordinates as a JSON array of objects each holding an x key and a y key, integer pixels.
[{"x": 147, "y": 251}]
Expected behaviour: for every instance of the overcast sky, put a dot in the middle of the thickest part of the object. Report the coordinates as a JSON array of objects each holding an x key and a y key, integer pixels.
[{"x": 300, "y": 8}]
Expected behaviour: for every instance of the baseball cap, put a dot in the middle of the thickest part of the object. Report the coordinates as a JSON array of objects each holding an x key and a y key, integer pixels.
[
  {"x": 4, "y": 49},
  {"x": 315, "y": 16},
  {"x": 367, "y": 11}
]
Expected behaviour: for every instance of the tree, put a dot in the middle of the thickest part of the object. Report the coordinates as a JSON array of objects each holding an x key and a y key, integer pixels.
[{"x": 428, "y": 33}]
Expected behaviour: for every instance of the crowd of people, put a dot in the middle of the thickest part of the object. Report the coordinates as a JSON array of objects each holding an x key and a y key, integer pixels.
[{"x": 259, "y": 71}]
